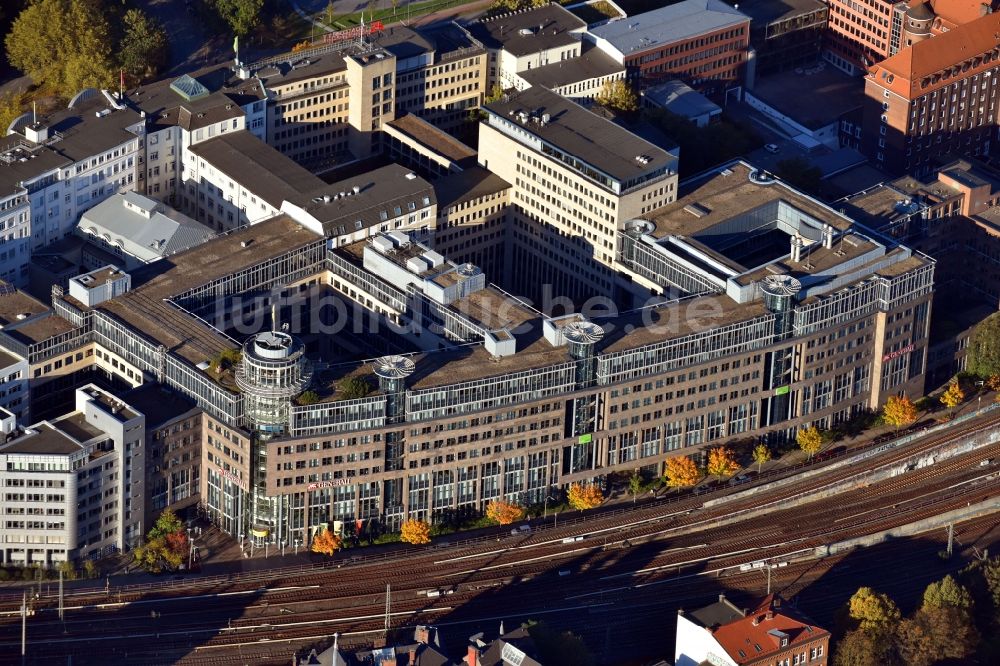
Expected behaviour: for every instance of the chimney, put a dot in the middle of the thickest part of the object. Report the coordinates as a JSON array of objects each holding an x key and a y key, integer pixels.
[
  {"x": 828, "y": 236},
  {"x": 796, "y": 249},
  {"x": 413, "y": 656},
  {"x": 722, "y": 597},
  {"x": 472, "y": 657},
  {"x": 769, "y": 615}
]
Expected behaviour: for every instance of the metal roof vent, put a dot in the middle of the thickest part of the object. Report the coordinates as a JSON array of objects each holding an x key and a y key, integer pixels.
[
  {"x": 583, "y": 332},
  {"x": 393, "y": 367},
  {"x": 780, "y": 285}
]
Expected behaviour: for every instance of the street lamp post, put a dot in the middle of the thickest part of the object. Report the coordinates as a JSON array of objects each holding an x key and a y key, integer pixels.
[{"x": 545, "y": 508}]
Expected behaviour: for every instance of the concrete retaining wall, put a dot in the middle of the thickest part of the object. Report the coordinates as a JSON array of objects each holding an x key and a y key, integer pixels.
[
  {"x": 983, "y": 508},
  {"x": 857, "y": 458}
]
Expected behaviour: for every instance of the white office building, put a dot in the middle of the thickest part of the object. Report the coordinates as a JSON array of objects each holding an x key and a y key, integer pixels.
[{"x": 73, "y": 486}]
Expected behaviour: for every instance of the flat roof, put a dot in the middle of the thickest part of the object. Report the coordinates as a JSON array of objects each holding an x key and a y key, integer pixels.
[
  {"x": 257, "y": 166},
  {"x": 722, "y": 197},
  {"x": 220, "y": 257},
  {"x": 529, "y": 31},
  {"x": 448, "y": 39},
  {"x": 21, "y": 160},
  {"x": 44, "y": 440},
  {"x": 159, "y": 404},
  {"x": 593, "y": 63},
  {"x": 14, "y": 302},
  {"x": 693, "y": 315},
  {"x": 380, "y": 191},
  {"x": 75, "y": 425},
  {"x": 495, "y": 309},
  {"x": 665, "y": 25},
  {"x": 467, "y": 185},
  {"x": 831, "y": 94},
  {"x": 300, "y": 67},
  {"x": 432, "y": 138},
  {"x": 582, "y": 134},
  {"x": 763, "y": 12},
  {"x": 84, "y": 134},
  {"x": 815, "y": 258},
  {"x": 98, "y": 277},
  {"x": 144, "y": 308}
]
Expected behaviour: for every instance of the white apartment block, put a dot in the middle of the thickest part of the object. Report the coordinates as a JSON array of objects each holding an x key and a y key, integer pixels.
[
  {"x": 528, "y": 39},
  {"x": 54, "y": 169},
  {"x": 73, "y": 486}
]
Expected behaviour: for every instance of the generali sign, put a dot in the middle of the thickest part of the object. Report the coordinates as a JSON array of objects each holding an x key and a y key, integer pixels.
[{"x": 899, "y": 352}]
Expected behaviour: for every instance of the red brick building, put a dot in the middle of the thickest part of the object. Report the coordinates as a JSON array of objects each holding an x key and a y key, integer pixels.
[
  {"x": 702, "y": 42},
  {"x": 935, "y": 98},
  {"x": 769, "y": 634},
  {"x": 863, "y": 32}
]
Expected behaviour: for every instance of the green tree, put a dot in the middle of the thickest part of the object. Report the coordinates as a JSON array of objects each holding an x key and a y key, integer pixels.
[
  {"x": 635, "y": 485},
  {"x": 945, "y": 593},
  {"x": 165, "y": 547},
  {"x": 496, "y": 92},
  {"x": 874, "y": 612},
  {"x": 761, "y": 454},
  {"x": 143, "y": 49},
  {"x": 984, "y": 347},
  {"x": 307, "y": 398},
  {"x": 89, "y": 569},
  {"x": 354, "y": 387},
  {"x": 798, "y": 172},
  {"x": 63, "y": 45},
  {"x": 67, "y": 569},
  {"x": 241, "y": 15},
  {"x": 810, "y": 440},
  {"x": 618, "y": 95},
  {"x": 11, "y": 106}
]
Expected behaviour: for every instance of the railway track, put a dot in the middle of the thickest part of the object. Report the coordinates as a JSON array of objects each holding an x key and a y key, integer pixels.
[{"x": 650, "y": 549}]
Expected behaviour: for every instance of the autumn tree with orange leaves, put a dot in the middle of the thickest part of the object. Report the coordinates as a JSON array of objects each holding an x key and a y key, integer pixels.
[
  {"x": 503, "y": 512},
  {"x": 681, "y": 472},
  {"x": 584, "y": 496},
  {"x": 899, "y": 411},
  {"x": 417, "y": 532},
  {"x": 721, "y": 462},
  {"x": 326, "y": 543},
  {"x": 953, "y": 396}
]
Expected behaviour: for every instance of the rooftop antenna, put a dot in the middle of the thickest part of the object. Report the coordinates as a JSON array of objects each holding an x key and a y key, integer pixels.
[{"x": 274, "y": 316}]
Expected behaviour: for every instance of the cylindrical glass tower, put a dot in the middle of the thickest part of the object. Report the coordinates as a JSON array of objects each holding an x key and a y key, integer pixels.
[
  {"x": 273, "y": 370},
  {"x": 392, "y": 372}
]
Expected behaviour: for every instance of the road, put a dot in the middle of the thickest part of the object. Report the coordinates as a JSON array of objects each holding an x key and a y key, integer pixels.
[{"x": 655, "y": 557}]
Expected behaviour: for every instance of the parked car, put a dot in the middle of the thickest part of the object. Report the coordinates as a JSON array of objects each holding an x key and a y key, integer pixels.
[
  {"x": 522, "y": 529},
  {"x": 772, "y": 148}
]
